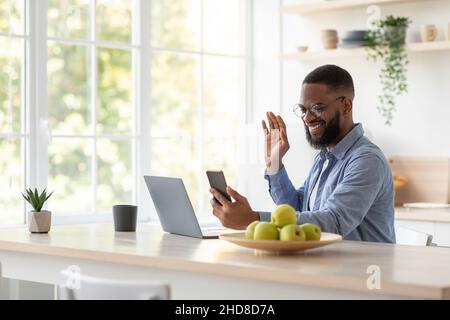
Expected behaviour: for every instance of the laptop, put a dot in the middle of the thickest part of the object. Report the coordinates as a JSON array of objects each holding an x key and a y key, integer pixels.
[{"x": 175, "y": 210}]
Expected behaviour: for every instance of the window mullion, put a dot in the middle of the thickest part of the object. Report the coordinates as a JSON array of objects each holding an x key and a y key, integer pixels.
[
  {"x": 93, "y": 96},
  {"x": 142, "y": 58},
  {"x": 25, "y": 111},
  {"x": 36, "y": 86},
  {"x": 249, "y": 118},
  {"x": 98, "y": 43},
  {"x": 200, "y": 140}
]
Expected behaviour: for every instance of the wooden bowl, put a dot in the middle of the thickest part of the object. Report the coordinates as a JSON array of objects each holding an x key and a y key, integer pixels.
[{"x": 277, "y": 246}]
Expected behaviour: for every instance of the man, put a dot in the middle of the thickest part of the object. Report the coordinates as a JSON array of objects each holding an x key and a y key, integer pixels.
[{"x": 349, "y": 189}]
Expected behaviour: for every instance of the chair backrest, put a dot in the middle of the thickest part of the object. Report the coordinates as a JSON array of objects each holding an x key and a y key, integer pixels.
[
  {"x": 413, "y": 237},
  {"x": 93, "y": 288}
]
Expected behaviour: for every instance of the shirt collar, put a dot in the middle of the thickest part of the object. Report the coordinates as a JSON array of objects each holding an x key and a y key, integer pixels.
[{"x": 342, "y": 147}]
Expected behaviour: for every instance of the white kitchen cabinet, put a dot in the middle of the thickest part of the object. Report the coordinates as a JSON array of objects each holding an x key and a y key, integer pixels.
[
  {"x": 422, "y": 226},
  {"x": 442, "y": 233},
  {"x": 439, "y": 230}
]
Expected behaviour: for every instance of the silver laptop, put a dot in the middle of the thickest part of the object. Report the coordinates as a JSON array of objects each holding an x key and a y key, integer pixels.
[{"x": 175, "y": 210}]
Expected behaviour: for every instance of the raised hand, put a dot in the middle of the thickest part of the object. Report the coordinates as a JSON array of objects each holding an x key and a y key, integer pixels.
[{"x": 276, "y": 143}]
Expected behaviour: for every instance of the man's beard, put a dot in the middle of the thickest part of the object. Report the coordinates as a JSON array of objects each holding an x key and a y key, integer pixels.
[{"x": 329, "y": 134}]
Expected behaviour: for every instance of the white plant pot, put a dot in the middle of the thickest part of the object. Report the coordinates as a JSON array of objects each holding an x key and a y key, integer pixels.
[{"x": 39, "y": 222}]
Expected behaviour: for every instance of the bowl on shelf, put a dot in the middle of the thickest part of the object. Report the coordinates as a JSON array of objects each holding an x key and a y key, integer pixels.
[
  {"x": 354, "y": 35},
  {"x": 353, "y": 39},
  {"x": 351, "y": 44},
  {"x": 277, "y": 246},
  {"x": 302, "y": 48}
]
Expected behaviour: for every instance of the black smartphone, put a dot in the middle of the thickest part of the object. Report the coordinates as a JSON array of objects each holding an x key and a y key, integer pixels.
[{"x": 217, "y": 181}]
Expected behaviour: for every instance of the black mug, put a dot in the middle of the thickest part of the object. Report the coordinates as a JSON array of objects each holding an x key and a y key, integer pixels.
[{"x": 125, "y": 217}]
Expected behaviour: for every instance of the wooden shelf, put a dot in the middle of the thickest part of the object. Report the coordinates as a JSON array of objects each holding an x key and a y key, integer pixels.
[
  {"x": 356, "y": 52},
  {"x": 429, "y": 46},
  {"x": 315, "y": 6}
]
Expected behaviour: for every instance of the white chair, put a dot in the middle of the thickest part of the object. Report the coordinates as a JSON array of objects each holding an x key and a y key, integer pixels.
[
  {"x": 413, "y": 237},
  {"x": 93, "y": 288}
]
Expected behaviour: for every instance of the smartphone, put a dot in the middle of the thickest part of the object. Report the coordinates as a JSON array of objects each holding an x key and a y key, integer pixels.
[{"x": 217, "y": 181}]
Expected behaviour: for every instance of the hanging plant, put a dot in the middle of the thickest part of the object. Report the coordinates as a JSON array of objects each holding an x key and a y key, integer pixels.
[{"x": 386, "y": 41}]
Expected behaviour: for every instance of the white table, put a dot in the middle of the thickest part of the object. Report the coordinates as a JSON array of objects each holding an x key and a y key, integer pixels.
[{"x": 215, "y": 269}]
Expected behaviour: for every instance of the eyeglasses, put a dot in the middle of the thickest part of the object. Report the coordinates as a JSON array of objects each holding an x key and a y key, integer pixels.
[{"x": 316, "y": 109}]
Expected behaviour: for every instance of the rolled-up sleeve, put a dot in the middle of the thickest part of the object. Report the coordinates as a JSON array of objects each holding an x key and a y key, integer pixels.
[
  {"x": 264, "y": 215},
  {"x": 351, "y": 199},
  {"x": 283, "y": 191}
]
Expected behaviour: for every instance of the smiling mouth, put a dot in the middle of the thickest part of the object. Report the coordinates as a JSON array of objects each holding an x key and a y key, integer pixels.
[{"x": 316, "y": 127}]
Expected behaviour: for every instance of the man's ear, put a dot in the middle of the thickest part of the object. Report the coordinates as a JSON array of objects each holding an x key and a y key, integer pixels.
[{"x": 348, "y": 105}]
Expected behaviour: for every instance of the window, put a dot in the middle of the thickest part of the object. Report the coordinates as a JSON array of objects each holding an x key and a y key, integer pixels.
[
  {"x": 199, "y": 66},
  {"x": 133, "y": 87},
  {"x": 91, "y": 114}
]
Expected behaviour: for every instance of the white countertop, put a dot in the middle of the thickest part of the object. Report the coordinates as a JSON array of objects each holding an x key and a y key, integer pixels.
[
  {"x": 430, "y": 215},
  {"x": 406, "y": 271}
]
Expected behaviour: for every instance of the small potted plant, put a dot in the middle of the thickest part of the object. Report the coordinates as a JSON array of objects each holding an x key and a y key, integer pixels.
[
  {"x": 39, "y": 221},
  {"x": 386, "y": 41}
]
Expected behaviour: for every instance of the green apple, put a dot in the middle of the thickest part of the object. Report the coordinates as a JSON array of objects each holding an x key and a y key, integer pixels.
[
  {"x": 311, "y": 230},
  {"x": 250, "y": 231},
  {"x": 292, "y": 232},
  {"x": 283, "y": 215},
  {"x": 266, "y": 231}
]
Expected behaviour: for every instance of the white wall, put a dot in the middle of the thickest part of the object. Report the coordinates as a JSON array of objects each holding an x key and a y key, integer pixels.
[
  {"x": 421, "y": 125},
  {"x": 266, "y": 96}
]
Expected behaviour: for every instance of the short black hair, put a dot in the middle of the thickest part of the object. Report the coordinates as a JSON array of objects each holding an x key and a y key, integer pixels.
[{"x": 332, "y": 76}]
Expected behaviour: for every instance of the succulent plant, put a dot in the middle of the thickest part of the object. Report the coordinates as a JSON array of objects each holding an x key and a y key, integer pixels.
[{"x": 35, "y": 199}]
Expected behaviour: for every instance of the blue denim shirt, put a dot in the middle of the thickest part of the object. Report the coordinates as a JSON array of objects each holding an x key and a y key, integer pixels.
[{"x": 356, "y": 194}]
